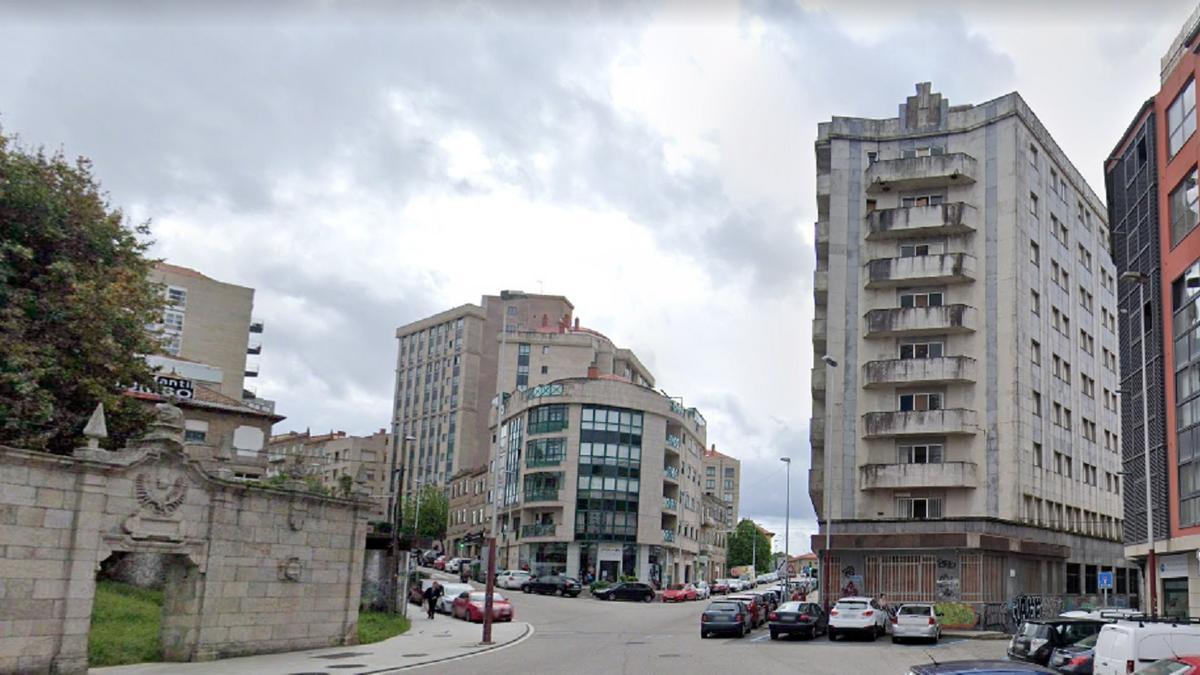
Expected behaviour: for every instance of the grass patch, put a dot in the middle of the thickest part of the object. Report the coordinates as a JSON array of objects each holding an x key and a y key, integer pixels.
[
  {"x": 376, "y": 626},
  {"x": 125, "y": 622}
]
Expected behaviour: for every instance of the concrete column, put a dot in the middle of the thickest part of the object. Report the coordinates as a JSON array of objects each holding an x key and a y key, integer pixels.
[
  {"x": 80, "y": 573},
  {"x": 573, "y": 560},
  {"x": 643, "y": 562}
]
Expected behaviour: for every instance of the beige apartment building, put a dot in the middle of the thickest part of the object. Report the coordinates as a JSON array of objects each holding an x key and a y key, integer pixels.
[
  {"x": 209, "y": 330},
  {"x": 470, "y": 515},
  {"x": 723, "y": 480},
  {"x": 330, "y": 456},
  {"x": 965, "y": 428},
  {"x": 715, "y": 524},
  {"x": 603, "y": 475}
]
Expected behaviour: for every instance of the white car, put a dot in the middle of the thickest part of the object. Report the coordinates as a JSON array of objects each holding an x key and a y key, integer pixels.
[
  {"x": 452, "y": 564},
  {"x": 916, "y": 621},
  {"x": 450, "y": 592},
  {"x": 857, "y": 615},
  {"x": 702, "y": 590},
  {"x": 512, "y": 579},
  {"x": 1132, "y": 644}
]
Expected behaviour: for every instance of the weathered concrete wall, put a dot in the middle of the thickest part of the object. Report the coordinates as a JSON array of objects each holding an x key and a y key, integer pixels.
[{"x": 248, "y": 570}]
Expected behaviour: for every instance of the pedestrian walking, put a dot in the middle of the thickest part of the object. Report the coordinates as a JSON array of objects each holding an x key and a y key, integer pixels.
[{"x": 432, "y": 594}]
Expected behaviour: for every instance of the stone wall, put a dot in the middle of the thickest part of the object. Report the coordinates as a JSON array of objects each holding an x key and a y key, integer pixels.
[{"x": 247, "y": 570}]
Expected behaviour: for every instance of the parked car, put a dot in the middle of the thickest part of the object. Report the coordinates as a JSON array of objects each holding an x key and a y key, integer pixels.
[
  {"x": 452, "y": 564},
  {"x": 439, "y": 563},
  {"x": 703, "y": 591},
  {"x": 1129, "y": 646},
  {"x": 416, "y": 592},
  {"x": 757, "y": 609},
  {"x": 1075, "y": 659},
  {"x": 798, "y": 618},
  {"x": 725, "y": 616},
  {"x": 680, "y": 593},
  {"x": 857, "y": 615},
  {"x": 469, "y": 606},
  {"x": 512, "y": 579},
  {"x": 552, "y": 584},
  {"x": 978, "y": 667},
  {"x": 720, "y": 587},
  {"x": 916, "y": 621},
  {"x": 1037, "y": 639},
  {"x": 449, "y": 593},
  {"x": 630, "y": 590}
]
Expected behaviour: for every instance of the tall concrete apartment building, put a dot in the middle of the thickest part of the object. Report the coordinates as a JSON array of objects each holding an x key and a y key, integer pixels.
[
  {"x": 1151, "y": 177},
  {"x": 965, "y": 430}
]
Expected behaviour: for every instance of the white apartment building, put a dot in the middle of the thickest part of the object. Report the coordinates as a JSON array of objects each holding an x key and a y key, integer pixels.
[{"x": 965, "y": 444}]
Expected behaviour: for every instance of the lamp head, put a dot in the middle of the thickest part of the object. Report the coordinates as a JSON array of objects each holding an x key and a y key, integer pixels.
[{"x": 829, "y": 361}]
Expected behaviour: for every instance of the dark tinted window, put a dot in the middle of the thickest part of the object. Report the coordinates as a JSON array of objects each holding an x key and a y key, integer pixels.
[
  {"x": 1035, "y": 630},
  {"x": 920, "y": 610},
  {"x": 723, "y": 607}
]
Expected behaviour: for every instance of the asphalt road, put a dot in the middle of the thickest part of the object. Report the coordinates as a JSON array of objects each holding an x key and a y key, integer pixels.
[{"x": 583, "y": 635}]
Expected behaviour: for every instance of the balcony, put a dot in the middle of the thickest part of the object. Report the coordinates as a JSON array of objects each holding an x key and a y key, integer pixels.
[
  {"x": 819, "y": 327},
  {"x": 905, "y": 476},
  {"x": 671, "y": 473},
  {"x": 901, "y": 321},
  {"x": 817, "y": 378},
  {"x": 816, "y": 430},
  {"x": 914, "y": 173},
  {"x": 252, "y": 373},
  {"x": 821, "y": 286},
  {"x": 541, "y": 495},
  {"x": 946, "y": 422},
  {"x": 670, "y": 504},
  {"x": 254, "y": 350},
  {"x": 538, "y": 530},
  {"x": 542, "y": 461},
  {"x": 933, "y": 270},
  {"x": 546, "y": 426},
  {"x": 942, "y": 220},
  {"x": 256, "y": 327},
  {"x": 668, "y": 535},
  {"x": 944, "y": 370}
]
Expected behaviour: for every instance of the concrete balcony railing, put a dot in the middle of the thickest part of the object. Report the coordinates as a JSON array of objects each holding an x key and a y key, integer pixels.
[
  {"x": 821, "y": 287},
  {"x": 905, "y": 476},
  {"x": 816, "y": 430},
  {"x": 947, "y": 422},
  {"x": 941, "y": 320},
  {"x": 819, "y": 328},
  {"x": 944, "y": 370},
  {"x": 818, "y": 378},
  {"x": 539, "y": 530},
  {"x": 942, "y": 220},
  {"x": 914, "y": 173},
  {"x": 933, "y": 270}
]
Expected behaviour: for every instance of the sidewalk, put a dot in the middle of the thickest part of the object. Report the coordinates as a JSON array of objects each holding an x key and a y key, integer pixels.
[
  {"x": 427, "y": 642},
  {"x": 976, "y": 634}
]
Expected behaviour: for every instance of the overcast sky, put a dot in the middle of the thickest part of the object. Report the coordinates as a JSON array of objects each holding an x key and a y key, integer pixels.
[{"x": 362, "y": 166}]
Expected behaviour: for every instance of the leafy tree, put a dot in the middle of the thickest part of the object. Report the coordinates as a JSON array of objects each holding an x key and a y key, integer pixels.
[
  {"x": 741, "y": 543},
  {"x": 75, "y": 300},
  {"x": 435, "y": 512}
]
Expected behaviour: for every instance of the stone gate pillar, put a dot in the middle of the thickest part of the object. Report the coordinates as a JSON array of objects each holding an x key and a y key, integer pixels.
[{"x": 83, "y": 557}]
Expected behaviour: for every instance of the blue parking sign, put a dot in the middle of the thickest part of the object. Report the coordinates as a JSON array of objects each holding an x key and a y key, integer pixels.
[{"x": 1105, "y": 580}]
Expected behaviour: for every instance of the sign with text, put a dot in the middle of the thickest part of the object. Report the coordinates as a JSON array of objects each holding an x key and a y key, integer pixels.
[
  {"x": 1104, "y": 581},
  {"x": 176, "y": 387}
]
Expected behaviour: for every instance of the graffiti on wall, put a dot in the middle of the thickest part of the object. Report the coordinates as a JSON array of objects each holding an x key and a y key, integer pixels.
[{"x": 1022, "y": 608}]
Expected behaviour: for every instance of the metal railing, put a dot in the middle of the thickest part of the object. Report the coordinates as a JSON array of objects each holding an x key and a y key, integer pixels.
[
  {"x": 671, "y": 472},
  {"x": 670, "y": 504},
  {"x": 542, "y": 495},
  {"x": 668, "y": 535},
  {"x": 534, "y": 461},
  {"x": 538, "y": 530}
]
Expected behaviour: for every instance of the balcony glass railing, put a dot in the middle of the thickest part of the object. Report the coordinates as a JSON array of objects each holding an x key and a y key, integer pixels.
[
  {"x": 673, "y": 441},
  {"x": 671, "y": 472},
  {"x": 534, "y": 461},
  {"x": 538, "y": 530},
  {"x": 547, "y": 426},
  {"x": 670, "y": 504},
  {"x": 541, "y": 495},
  {"x": 668, "y": 535}
]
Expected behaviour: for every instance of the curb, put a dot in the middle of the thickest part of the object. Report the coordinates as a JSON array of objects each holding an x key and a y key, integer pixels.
[
  {"x": 990, "y": 635},
  {"x": 457, "y": 657}
]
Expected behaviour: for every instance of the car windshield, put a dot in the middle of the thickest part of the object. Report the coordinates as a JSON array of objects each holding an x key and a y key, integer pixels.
[
  {"x": 482, "y": 597},
  {"x": 675, "y": 587},
  {"x": 722, "y": 607},
  {"x": 1166, "y": 667},
  {"x": 915, "y": 610},
  {"x": 1089, "y": 641},
  {"x": 789, "y": 607},
  {"x": 1035, "y": 630},
  {"x": 853, "y": 604}
]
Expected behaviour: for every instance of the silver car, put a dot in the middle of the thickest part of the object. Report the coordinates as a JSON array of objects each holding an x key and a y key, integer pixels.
[{"x": 916, "y": 622}]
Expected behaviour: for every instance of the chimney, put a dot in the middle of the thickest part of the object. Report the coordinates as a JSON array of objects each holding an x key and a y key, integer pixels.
[
  {"x": 593, "y": 373},
  {"x": 576, "y": 323}
]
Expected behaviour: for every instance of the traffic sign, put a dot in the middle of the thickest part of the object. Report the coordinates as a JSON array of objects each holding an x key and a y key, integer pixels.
[{"x": 1105, "y": 580}]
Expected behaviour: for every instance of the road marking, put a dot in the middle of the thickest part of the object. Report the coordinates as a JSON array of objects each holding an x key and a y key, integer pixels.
[{"x": 760, "y": 638}]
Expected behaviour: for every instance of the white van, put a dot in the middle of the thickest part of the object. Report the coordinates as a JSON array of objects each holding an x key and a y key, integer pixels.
[{"x": 1129, "y": 645}]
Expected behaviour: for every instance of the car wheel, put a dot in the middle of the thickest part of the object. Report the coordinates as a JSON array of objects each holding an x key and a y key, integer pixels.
[
  {"x": 774, "y": 635},
  {"x": 895, "y": 640},
  {"x": 649, "y": 597},
  {"x": 703, "y": 635},
  {"x": 832, "y": 634},
  {"x": 874, "y": 634}
]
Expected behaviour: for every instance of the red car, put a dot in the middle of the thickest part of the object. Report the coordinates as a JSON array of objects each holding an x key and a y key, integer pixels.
[
  {"x": 680, "y": 593},
  {"x": 440, "y": 563},
  {"x": 469, "y": 606},
  {"x": 720, "y": 588}
]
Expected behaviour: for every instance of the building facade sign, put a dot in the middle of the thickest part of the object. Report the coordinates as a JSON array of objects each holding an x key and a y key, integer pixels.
[
  {"x": 176, "y": 387},
  {"x": 1173, "y": 565}
]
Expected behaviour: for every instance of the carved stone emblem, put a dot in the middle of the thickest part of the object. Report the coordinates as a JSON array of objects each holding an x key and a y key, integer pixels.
[
  {"x": 290, "y": 569},
  {"x": 297, "y": 512},
  {"x": 159, "y": 497}
]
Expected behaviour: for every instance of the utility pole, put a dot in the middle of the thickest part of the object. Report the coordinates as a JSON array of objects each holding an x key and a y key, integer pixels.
[
  {"x": 397, "y": 521},
  {"x": 787, "y": 558},
  {"x": 491, "y": 561},
  {"x": 826, "y": 573}
]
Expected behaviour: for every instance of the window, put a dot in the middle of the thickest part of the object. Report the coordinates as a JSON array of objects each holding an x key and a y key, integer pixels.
[
  {"x": 921, "y": 200},
  {"x": 1182, "y": 208},
  {"x": 921, "y": 350},
  {"x": 173, "y": 320},
  {"x": 1035, "y": 352},
  {"x": 1054, "y": 181},
  {"x": 1037, "y": 455},
  {"x": 1085, "y": 257},
  {"x": 1087, "y": 342},
  {"x": 1035, "y": 302},
  {"x": 195, "y": 431},
  {"x": 1085, "y": 299},
  {"x": 920, "y": 299},
  {"x": 710, "y": 471},
  {"x": 1037, "y": 403},
  {"x": 728, "y": 483},
  {"x": 1089, "y": 386},
  {"x": 177, "y": 297},
  {"x": 925, "y": 453},
  {"x": 915, "y": 250},
  {"x": 919, "y": 402},
  {"x": 1058, "y": 462},
  {"x": 729, "y": 472},
  {"x": 918, "y": 508},
  {"x": 1035, "y": 253},
  {"x": 1063, "y": 234},
  {"x": 1033, "y": 156},
  {"x": 1181, "y": 118},
  {"x": 1033, "y": 206},
  {"x": 545, "y": 369},
  {"x": 922, "y": 152},
  {"x": 1089, "y": 430}
]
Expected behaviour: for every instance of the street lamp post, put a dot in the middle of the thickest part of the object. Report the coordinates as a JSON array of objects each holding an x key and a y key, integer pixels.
[
  {"x": 825, "y": 571},
  {"x": 1141, "y": 280},
  {"x": 397, "y": 521},
  {"x": 787, "y": 521}
]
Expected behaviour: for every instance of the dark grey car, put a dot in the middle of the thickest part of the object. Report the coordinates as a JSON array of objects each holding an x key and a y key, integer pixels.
[
  {"x": 726, "y": 617},
  {"x": 978, "y": 667},
  {"x": 798, "y": 618}
]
